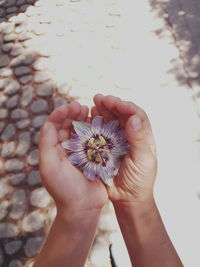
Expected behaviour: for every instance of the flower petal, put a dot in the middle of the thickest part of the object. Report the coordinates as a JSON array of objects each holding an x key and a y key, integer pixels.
[
  {"x": 109, "y": 128},
  {"x": 83, "y": 129},
  {"x": 72, "y": 145},
  {"x": 120, "y": 150},
  {"x": 97, "y": 124},
  {"x": 78, "y": 158},
  {"x": 89, "y": 170}
]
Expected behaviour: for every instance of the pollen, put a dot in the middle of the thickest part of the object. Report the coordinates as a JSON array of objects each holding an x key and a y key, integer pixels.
[{"x": 97, "y": 149}]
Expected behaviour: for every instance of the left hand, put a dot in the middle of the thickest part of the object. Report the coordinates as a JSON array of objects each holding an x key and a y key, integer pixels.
[{"x": 72, "y": 192}]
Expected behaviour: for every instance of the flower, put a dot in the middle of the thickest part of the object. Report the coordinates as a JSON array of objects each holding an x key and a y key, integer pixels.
[{"x": 97, "y": 148}]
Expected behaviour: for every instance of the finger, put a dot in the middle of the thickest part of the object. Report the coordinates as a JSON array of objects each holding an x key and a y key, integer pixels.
[
  {"x": 74, "y": 110},
  {"x": 107, "y": 114},
  {"x": 63, "y": 135},
  {"x": 49, "y": 160},
  {"x": 83, "y": 114},
  {"x": 94, "y": 112},
  {"x": 58, "y": 115}
]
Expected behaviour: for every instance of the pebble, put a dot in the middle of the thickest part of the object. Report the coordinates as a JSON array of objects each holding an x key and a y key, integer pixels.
[
  {"x": 27, "y": 96},
  {"x": 10, "y": 3},
  {"x": 1, "y": 257},
  {"x": 100, "y": 255},
  {"x": 24, "y": 143},
  {"x": 3, "y": 209},
  {"x": 5, "y": 72},
  {"x": 19, "y": 204},
  {"x": 16, "y": 179},
  {"x": 40, "y": 198},
  {"x": 20, "y": 28},
  {"x": 64, "y": 88},
  {"x": 7, "y": 47},
  {"x": 4, "y": 188},
  {"x": 3, "y": 113},
  {"x": 36, "y": 137},
  {"x": 1, "y": 12},
  {"x": 25, "y": 59},
  {"x": 3, "y": 83},
  {"x": 24, "y": 36},
  {"x": 14, "y": 165},
  {"x": 45, "y": 89},
  {"x": 8, "y": 132},
  {"x": 2, "y": 125},
  {"x": 19, "y": 114},
  {"x": 4, "y": 60},
  {"x": 13, "y": 247},
  {"x": 59, "y": 101},
  {"x": 12, "y": 88},
  {"x": 26, "y": 79},
  {"x": 24, "y": 8},
  {"x": 10, "y": 10},
  {"x": 17, "y": 50},
  {"x": 38, "y": 121},
  {"x": 39, "y": 106},
  {"x": 41, "y": 64},
  {"x": 3, "y": 99},
  {"x": 21, "y": 2},
  {"x": 33, "y": 246},
  {"x": 108, "y": 222},
  {"x": 12, "y": 101},
  {"x": 8, "y": 149},
  {"x": 8, "y": 230},
  {"x": 22, "y": 124},
  {"x": 20, "y": 18},
  {"x": 34, "y": 178},
  {"x": 33, "y": 222},
  {"x": 15, "y": 263},
  {"x": 42, "y": 77},
  {"x": 8, "y": 27},
  {"x": 33, "y": 157},
  {"x": 23, "y": 70},
  {"x": 10, "y": 37}
]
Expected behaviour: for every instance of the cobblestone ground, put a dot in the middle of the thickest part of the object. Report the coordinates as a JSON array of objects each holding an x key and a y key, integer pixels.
[{"x": 50, "y": 52}]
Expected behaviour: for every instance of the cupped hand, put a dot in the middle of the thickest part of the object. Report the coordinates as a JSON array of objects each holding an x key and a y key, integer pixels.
[
  {"x": 71, "y": 191},
  {"x": 136, "y": 176}
]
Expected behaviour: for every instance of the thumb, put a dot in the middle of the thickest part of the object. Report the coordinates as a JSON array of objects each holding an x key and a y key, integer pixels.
[{"x": 139, "y": 135}]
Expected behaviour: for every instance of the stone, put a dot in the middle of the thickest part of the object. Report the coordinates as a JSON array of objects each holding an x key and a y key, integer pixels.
[
  {"x": 4, "y": 60},
  {"x": 40, "y": 198},
  {"x": 3, "y": 83},
  {"x": 7, "y": 47},
  {"x": 21, "y": 2},
  {"x": 26, "y": 79},
  {"x": 33, "y": 157},
  {"x": 22, "y": 124},
  {"x": 2, "y": 125},
  {"x": 10, "y": 10},
  {"x": 8, "y": 149},
  {"x": 15, "y": 263},
  {"x": 34, "y": 178},
  {"x": 26, "y": 58},
  {"x": 10, "y": 37},
  {"x": 24, "y": 143},
  {"x": 42, "y": 77},
  {"x": 8, "y": 230},
  {"x": 3, "y": 209},
  {"x": 38, "y": 121},
  {"x": 8, "y": 132},
  {"x": 19, "y": 19},
  {"x": 5, "y": 72},
  {"x": 100, "y": 254},
  {"x": 41, "y": 64},
  {"x": 33, "y": 246},
  {"x": 19, "y": 204},
  {"x": 1, "y": 257},
  {"x": 3, "y": 99},
  {"x": 3, "y": 113},
  {"x": 8, "y": 28},
  {"x": 36, "y": 137},
  {"x": 27, "y": 96},
  {"x": 24, "y": 8},
  {"x": 22, "y": 70},
  {"x": 12, "y": 88},
  {"x": 10, "y": 3},
  {"x": 14, "y": 165},
  {"x": 4, "y": 188},
  {"x": 20, "y": 28},
  {"x": 33, "y": 222},
  {"x": 13, "y": 247},
  {"x": 24, "y": 36},
  {"x": 45, "y": 89},
  {"x": 1, "y": 12},
  {"x": 59, "y": 101},
  {"x": 17, "y": 179},
  {"x": 12, "y": 101},
  {"x": 17, "y": 50},
  {"x": 108, "y": 223},
  {"x": 19, "y": 114},
  {"x": 64, "y": 88},
  {"x": 39, "y": 106}
]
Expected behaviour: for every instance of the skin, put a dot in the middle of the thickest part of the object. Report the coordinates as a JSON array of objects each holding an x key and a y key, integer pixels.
[{"x": 79, "y": 200}]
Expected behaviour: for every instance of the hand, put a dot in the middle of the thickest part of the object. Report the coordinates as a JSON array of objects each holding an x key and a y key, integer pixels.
[
  {"x": 71, "y": 191},
  {"x": 135, "y": 180}
]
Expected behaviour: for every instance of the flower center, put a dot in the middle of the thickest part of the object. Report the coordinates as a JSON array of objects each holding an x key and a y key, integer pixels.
[{"x": 97, "y": 149}]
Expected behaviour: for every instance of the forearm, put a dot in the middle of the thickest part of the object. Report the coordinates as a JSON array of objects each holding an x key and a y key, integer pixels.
[
  {"x": 146, "y": 238},
  {"x": 68, "y": 241}
]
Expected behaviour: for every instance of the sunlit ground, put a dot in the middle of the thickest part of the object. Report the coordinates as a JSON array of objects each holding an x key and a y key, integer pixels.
[{"x": 110, "y": 47}]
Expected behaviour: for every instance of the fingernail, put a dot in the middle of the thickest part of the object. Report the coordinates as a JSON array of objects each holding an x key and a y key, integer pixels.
[
  {"x": 136, "y": 123},
  {"x": 46, "y": 127}
]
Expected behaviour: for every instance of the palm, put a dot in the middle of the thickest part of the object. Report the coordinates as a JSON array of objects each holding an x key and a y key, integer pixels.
[{"x": 67, "y": 184}]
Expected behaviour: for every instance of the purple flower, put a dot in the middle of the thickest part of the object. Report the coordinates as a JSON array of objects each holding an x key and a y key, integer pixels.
[{"x": 97, "y": 148}]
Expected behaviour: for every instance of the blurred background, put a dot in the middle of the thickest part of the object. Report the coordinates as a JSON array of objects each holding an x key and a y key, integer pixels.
[{"x": 54, "y": 51}]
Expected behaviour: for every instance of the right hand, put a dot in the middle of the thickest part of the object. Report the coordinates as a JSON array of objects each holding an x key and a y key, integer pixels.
[{"x": 135, "y": 180}]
